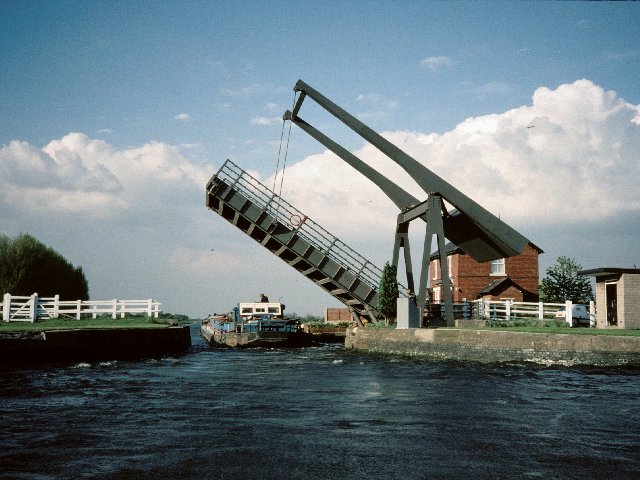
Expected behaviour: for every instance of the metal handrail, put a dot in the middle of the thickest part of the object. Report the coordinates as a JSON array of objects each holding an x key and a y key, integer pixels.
[{"x": 305, "y": 227}]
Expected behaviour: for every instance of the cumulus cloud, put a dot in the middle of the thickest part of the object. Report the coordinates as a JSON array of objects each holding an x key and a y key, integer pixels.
[
  {"x": 266, "y": 121},
  {"x": 563, "y": 163},
  {"x": 183, "y": 117},
  {"x": 437, "y": 62},
  {"x": 84, "y": 176},
  {"x": 572, "y": 155}
]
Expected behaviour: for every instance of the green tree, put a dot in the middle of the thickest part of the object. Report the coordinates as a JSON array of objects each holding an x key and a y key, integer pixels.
[
  {"x": 388, "y": 293},
  {"x": 28, "y": 266},
  {"x": 563, "y": 283}
]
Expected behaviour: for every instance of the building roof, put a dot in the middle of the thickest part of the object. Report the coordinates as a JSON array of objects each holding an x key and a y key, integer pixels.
[
  {"x": 608, "y": 271},
  {"x": 496, "y": 285},
  {"x": 450, "y": 248}
]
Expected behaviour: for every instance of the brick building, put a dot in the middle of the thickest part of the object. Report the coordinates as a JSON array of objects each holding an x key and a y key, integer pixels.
[
  {"x": 337, "y": 315},
  {"x": 515, "y": 278}
]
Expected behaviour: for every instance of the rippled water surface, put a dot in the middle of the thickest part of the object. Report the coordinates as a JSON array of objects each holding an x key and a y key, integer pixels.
[{"x": 316, "y": 413}]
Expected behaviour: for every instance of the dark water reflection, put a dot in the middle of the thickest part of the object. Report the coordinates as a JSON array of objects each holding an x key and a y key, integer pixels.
[{"x": 317, "y": 413}]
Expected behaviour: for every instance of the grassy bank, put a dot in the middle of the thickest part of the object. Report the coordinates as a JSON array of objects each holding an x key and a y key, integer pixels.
[
  {"x": 549, "y": 329},
  {"x": 67, "y": 323},
  {"x": 566, "y": 330}
]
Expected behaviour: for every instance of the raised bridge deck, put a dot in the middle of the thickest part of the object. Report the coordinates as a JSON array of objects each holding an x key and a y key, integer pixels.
[{"x": 286, "y": 232}]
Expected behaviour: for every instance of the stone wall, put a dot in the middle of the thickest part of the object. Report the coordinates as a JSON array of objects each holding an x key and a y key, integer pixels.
[
  {"x": 92, "y": 344},
  {"x": 498, "y": 346}
]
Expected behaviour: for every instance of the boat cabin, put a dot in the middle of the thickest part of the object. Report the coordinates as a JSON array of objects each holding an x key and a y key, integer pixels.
[{"x": 257, "y": 310}]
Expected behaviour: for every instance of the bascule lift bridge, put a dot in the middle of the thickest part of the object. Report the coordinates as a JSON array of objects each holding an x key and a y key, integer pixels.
[{"x": 320, "y": 256}]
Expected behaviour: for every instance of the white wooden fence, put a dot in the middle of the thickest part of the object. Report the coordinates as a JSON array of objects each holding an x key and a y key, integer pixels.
[
  {"x": 33, "y": 308},
  {"x": 507, "y": 309}
]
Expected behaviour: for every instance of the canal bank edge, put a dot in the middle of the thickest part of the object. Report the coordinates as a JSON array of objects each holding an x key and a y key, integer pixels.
[
  {"x": 498, "y": 346},
  {"x": 92, "y": 344}
]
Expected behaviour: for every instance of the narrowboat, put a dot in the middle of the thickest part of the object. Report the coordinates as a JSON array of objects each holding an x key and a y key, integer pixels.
[{"x": 255, "y": 325}]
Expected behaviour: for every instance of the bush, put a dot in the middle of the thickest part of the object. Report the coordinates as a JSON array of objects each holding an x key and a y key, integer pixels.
[
  {"x": 28, "y": 266},
  {"x": 388, "y": 293}
]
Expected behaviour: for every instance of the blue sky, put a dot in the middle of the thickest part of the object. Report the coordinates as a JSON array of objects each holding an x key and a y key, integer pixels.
[{"x": 126, "y": 108}]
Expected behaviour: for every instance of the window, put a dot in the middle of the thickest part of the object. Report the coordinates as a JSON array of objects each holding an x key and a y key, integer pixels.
[
  {"x": 436, "y": 295},
  {"x": 436, "y": 268},
  {"x": 497, "y": 267}
]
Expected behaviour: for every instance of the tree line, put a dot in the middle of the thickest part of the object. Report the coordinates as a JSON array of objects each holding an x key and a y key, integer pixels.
[{"x": 27, "y": 266}]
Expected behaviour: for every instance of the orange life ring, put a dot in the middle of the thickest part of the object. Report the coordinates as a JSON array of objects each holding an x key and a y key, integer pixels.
[{"x": 296, "y": 220}]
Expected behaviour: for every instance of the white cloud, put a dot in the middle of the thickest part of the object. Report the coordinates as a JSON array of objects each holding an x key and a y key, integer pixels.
[
  {"x": 134, "y": 218},
  {"x": 183, "y": 117},
  {"x": 191, "y": 146},
  {"x": 266, "y": 121},
  {"x": 435, "y": 63},
  {"x": 571, "y": 156},
  {"x": 492, "y": 88},
  {"x": 84, "y": 176}
]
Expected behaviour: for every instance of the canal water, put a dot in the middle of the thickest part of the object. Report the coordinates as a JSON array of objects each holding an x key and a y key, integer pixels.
[{"x": 316, "y": 413}]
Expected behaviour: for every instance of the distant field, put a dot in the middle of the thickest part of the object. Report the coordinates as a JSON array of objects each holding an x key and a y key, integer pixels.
[{"x": 65, "y": 324}]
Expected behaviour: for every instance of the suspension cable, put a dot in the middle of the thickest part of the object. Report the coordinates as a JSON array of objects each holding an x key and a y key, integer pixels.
[
  {"x": 275, "y": 177},
  {"x": 286, "y": 154}
]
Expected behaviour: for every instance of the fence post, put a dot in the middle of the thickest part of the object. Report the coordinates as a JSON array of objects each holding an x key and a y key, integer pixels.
[
  {"x": 149, "y": 307},
  {"x": 6, "y": 309},
  {"x": 78, "y": 309},
  {"x": 507, "y": 309},
  {"x": 33, "y": 308},
  {"x": 592, "y": 314},
  {"x": 56, "y": 306},
  {"x": 540, "y": 310},
  {"x": 568, "y": 312},
  {"x": 123, "y": 308},
  {"x": 114, "y": 312}
]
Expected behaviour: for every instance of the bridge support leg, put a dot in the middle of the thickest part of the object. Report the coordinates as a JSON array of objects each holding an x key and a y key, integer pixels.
[
  {"x": 402, "y": 241},
  {"x": 355, "y": 317},
  {"x": 435, "y": 227}
]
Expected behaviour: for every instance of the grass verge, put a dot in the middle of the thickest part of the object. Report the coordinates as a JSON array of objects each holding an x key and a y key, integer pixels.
[
  {"x": 566, "y": 330},
  {"x": 68, "y": 323}
]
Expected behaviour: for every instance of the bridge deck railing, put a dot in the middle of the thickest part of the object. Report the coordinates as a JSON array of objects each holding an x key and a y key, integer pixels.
[{"x": 304, "y": 226}]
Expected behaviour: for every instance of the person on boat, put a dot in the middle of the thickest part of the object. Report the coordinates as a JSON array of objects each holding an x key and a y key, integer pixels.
[{"x": 264, "y": 298}]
